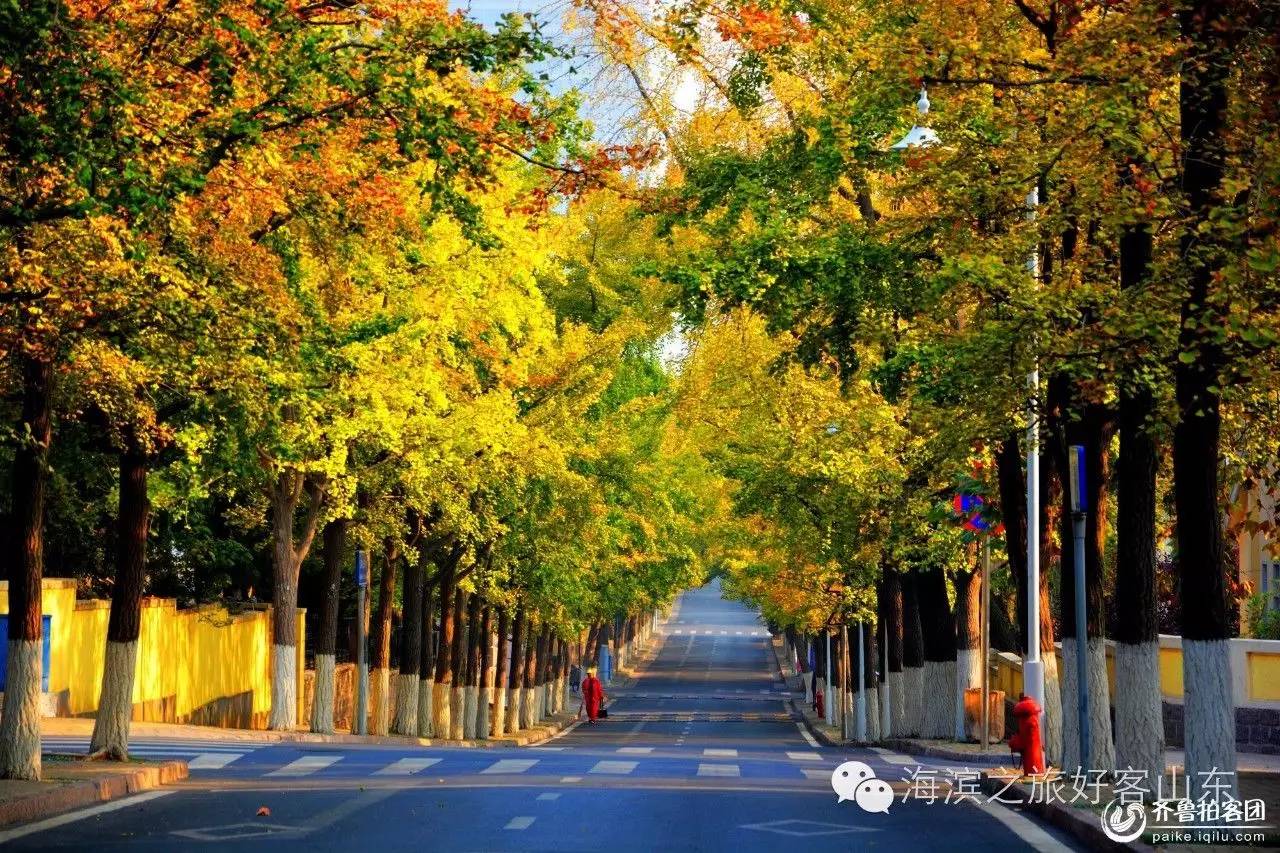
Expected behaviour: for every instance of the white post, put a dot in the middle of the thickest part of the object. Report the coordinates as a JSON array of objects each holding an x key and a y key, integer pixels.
[{"x": 1032, "y": 665}]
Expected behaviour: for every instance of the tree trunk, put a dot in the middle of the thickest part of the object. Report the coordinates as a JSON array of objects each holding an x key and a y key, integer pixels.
[
  {"x": 115, "y": 707},
  {"x": 939, "y": 693},
  {"x": 20, "y": 722},
  {"x": 870, "y": 679},
  {"x": 1139, "y": 723},
  {"x": 427, "y": 664},
  {"x": 894, "y": 641},
  {"x": 334, "y": 540},
  {"x": 1209, "y": 717},
  {"x": 484, "y": 700},
  {"x": 968, "y": 621},
  {"x": 1013, "y": 511},
  {"x": 380, "y": 667},
  {"x": 1050, "y": 555},
  {"x": 530, "y": 672},
  {"x": 912, "y": 657},
  {"x": 515, "y": 690},
  {"x": 502, "y": 674},
  {"x": 458, "y": 656},
  {"x": 441, "y": 722},
  {"x": 406, "y": 718},
  {"x": 471, "y": 688},
  {"x": 286, "y": 494}
]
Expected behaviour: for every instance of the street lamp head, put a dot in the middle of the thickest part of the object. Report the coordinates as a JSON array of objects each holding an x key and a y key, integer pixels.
[{"x": 919, "y": 136}]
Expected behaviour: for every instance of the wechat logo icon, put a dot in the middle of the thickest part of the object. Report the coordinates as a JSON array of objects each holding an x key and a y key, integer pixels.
[{"x": 856, "y": 781}]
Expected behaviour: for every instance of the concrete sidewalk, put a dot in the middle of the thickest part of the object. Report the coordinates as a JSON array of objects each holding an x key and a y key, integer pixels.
[{"x": 70, "y": 783}]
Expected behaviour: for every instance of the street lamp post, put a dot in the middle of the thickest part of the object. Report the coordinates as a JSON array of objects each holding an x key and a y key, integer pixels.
[
  {"x": 1078, "y": 510},
  {"x": 1032, "y": 665}
]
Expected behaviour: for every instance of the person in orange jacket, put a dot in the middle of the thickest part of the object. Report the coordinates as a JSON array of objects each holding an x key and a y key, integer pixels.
[{"x": 1027, "y": 740}]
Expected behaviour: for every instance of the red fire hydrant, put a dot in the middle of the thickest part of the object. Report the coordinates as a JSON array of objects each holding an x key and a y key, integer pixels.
[
  {"x": 818, "y": 707},
  {"x": 1027, "y": 740}
]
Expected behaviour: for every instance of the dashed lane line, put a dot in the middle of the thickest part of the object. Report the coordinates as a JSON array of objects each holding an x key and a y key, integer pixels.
[
  {"x": 617, "y": 768},
  {"x": 719, "y": 770},
  {"x": 804, "y": 756},
  {"x": 510, "y": 765},
  {"x": 306, "y": 765},
  {"x": 720, "y": 753},
  {"x": 523, "y": 822},
  {"x": 213, "y": 760},
  {"x": 406, "y": 766},
  {"x": 808, "y": 738},
  {"x": 893, "y": 757}
]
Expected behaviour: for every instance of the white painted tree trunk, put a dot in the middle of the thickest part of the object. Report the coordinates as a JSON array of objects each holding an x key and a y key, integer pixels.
[
  {"x": 483, "y": 722},
  {"x": 514, "y": 721},
  {"x": 1209, "y": 719},
  {"x": 1070, "y": 700},
  {"x": 322, "y": 696},
  {"x": 457, "y": 712},
  {"x": 527, "y": 711},
  {"x": 406, "y": 719},
  {"x": 850, "y": 715},
  {"x": 284, "y": 688},
  {"x": 20, "y": 720},
  {"x": 873, "y": 714},
  {"x": 968, "y": 674},
  {"x": 561, "y": 690},
  {"x": 499, "y": 711},
  {"x": 886, "y": 709},
  {"x": 1052, "y": 710},
  {"x": 469, "y": 711},
  {"x": 426, "y": 695},
  {"x": 1102, "y": 750},
  {"x": 440, "y": 708},
  {"x": 913, "y": 700},
  {"x": 379, "y": 695},
  {"x": 115, "y": 705},
  {"x": 897, "y": 683},
  {"x": 939, "y": 700},
  {"x": 1139, "y": 717},
  {"x": 807, "y": 677}
]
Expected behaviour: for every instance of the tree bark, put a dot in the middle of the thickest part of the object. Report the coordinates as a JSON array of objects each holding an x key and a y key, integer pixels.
[
  {"x": 484, "y": 700},
  {"x": 427, "y": 665},
  {"x": 1013, "y": 512},
  {"x": 1207, "y": 30},
  {"x": 115, "y": 707},
  {"x": 20, "y": 722},
  {"x": 442, "y": 700},
  {"x": 502, "y": 673},
  {"x": 912, "y": 657},
  {"x": 471, "y": 686},
  {"x": 406, "y": 718},
  {"x": 968, "y": 621},
  {"x": 286, "y": 494},
  {"x": 530, "y": 672},
  {"x": 894, "y": 678},
  {"x": 458, "y": 658},
  {"x": 939, "y": 694},
  {"x": 515, "y": 690},
  {"x": 334, "y": 541}
]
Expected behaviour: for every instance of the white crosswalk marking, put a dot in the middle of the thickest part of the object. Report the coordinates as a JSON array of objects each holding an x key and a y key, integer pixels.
[
  {"x": 618, "y": 768},
  {"x": 892, "y": 757},
  {"x": 720, "y": 753},
  {"x": 519, "y": 823},
  {"x": 718, "y": 770},
  {"x": 569, "y": 780},
  {"x": 804, "y": 756},
  {"x": 306, "y": 765},
  {"x": 808, "y": 738},
  {"x": 406, "y": 766},
  {"x": 549, "y": 795},
  {"x": 815, "y": 773},
  {"x": 213, "y": 760},
  {"x": 510, "y": 765},
  {"x": 635, "y": 750}
]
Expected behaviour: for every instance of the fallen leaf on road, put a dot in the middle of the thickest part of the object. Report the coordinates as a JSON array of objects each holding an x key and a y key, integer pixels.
[{"x": 263, "y": 811}]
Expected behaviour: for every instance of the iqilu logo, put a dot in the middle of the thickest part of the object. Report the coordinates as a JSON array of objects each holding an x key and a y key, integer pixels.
[
  {"x": 856, "y": 781},
  {"x": 1123, "y": 822}
]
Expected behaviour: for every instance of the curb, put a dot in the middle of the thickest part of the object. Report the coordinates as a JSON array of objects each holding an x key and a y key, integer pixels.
[
  {"x": 918, "y": 747},
  {"x": 75, "y": 795},
  {"x": 1072, "y": 821}
]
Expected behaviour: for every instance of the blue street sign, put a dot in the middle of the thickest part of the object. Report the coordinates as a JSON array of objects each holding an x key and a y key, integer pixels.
[{"x": 362, "y": 569}]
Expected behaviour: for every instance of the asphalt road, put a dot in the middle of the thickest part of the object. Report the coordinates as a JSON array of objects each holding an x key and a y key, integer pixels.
[{"x": 700, "y": 754}]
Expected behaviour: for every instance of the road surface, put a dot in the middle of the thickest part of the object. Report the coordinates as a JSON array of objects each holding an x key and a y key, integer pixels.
[{"x": 700, "y": 754}]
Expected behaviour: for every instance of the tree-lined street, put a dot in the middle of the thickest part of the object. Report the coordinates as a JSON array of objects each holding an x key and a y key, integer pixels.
[{"x": 699, "y": 753}]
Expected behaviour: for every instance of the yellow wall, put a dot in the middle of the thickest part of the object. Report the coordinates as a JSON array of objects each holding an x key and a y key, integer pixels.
[
  {"x": 204, "y": 662},
  {"x": 1264, "y": 676}
]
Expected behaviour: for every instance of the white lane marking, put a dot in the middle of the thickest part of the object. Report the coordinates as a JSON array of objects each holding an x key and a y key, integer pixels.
[
  {"x": 1022, "y": 826},
  {"x": 720, "y": 753},
  {"x": 635, "y": 750},
  {"x": 569, "y": 780},
  {"x": 679, "y": 630},
  {"x": 738, "y": 633},
  {"x": 213, "y": 760},
  {"x": 620, "y": 768},
  {"x": 510, "y": 765},
  {"x": 808, "y": 738},
  {"x": 893, "y": 757},
  {"x": 804, "y": 756},
  {"x": 548, "y": 748},
  {"x": 520, "y": 822},
  {"x": 72, "y": 817},
  {"x": 406, "y": 766},
  {"x": 306, "y": 765},
  {"x": 718, "y": 770},
  {"x": 724, "y": 632},
  {"x": 815, "y": 773},
  {"x": 549, "y": 795}
]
